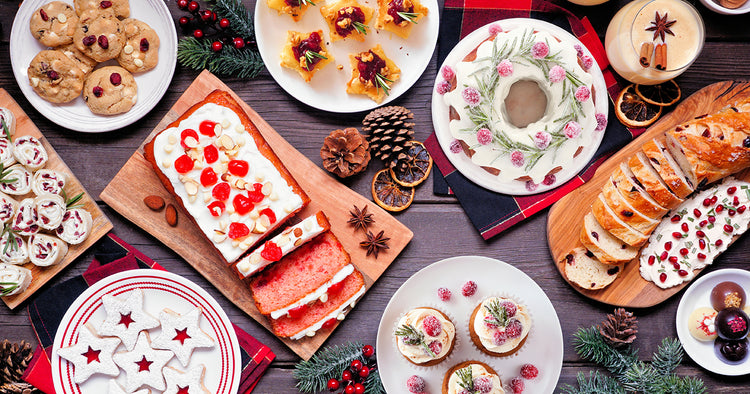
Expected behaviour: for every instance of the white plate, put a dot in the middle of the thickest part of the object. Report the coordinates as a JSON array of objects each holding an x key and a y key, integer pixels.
[
  {"x": 441, "y": 114},
  {"x": 543, "y": 347},
  {"x": 75, "y": 115},
  {"x": 698, "y": 295},
  {"x": 327, "y": 89},
  {"x": 161, "y": 290}
]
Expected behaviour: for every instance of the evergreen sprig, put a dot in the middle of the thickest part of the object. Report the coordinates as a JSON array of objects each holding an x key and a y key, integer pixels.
[
  {"x": 498, "y": 315},
  {"x": 198, "y": 55},
  {"x": 313, "y": 375},
  {"x": 240, "y": 19},
  {"x": 590, "y": 345},
  {"x": 595, "y": 384}
]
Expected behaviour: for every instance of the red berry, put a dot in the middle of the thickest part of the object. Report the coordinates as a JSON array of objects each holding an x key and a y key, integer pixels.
[
  {"x": 216, "y": 208},
  {"x": 239, "y": 168},
  {"x": 115, "y": 79},
  {"x": 514, "y": 329},
  {"x": 668, "y": 245},
  {"x": 684, "y": 251},
  {"x": 731, "y": 190},
  {"x": 269, "y": 213},
  {"x": 359, "y": 388},
  {"x": 741, "y": 209},
  {"x": 696, "y": 212},
  {"x": 677, "y": 235},
  {"x": 364, "y": 372},
  {"x": 103, "y": 41},
  {"x": 682, "y": 273},
  {"x": 703, "y": 223},
  {"x": 330, "y": 323},
  {"x": 184, "y": 21},
  {"x": 702, "y": 243},
  {"x": 662, "y": 277},
  {"x": 208, "y": 177},
  {"x": 349, "y": 389},
  {"x": 706, "y": 202},
  {"x": 444, "y": 294},
  {"x": 469, "y": 288},
  {"x": 483, "y": 384},
  {"x": 499, "y": 337},
  {"x": 712, "y": 219},
  {"x": 673, "y": 259},
  {"x": 675, "y": 218},
  {"x": 217, "y": 46},
  {"x": 187, "y": 133},
  {"x": 207, "y": 128},
  {"x": 182, "y": 4},
  {"x": 651, "y": 260},
  {"x": 333, "y": 384},
  {"x": 676, "y": 265},
  {"x": 432, "y": 326},
  {"x": 206, "y": 15},
  {"x": 98, "y": 91},
  {"x": 346, "y": 375},
  {"x": 529, "y": 371},
  {"x": 714, "y": 199},
  {"x": 193, "y": 6},
  {"x": 221, "y": 191},
  {"x": 516, "y": 385},
  {"x": 685, "y": 228},
  {"x": 298, "y": 311},
  {"x": 728, "y": 228},
  {"x": 242, "y": 204},
  {"x": 237, "y": 230},
  {"x": 183, "y": 164},
  {"x": 436, "y": 347},
  {"x": 238, "y": 42},
  {"x": 356, "y": 365},
  {"x": 271, "y": 251},
  {"x": 736, "y": 201},
  {"x": 198, "y": 33},
  {"x": 719, "y": 242},
  {"x": 368, "y": 351},
  {"x": 731, "y": 212},
  {"x": 510, "y": 308},
  {"x": 663, "y": 256},
  {"x": 224, "y": 23},
  {"x": 415, "y": 384},
  {"x": 211, "y": 154},
  {"x": 700, "y": 233}
]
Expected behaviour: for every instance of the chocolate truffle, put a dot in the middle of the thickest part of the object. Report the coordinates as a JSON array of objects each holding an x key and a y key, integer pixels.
[
  {"x": 732, "y": 324},
  {"x": 727, "y": 294},
  {"x": 732, "y": 351}
]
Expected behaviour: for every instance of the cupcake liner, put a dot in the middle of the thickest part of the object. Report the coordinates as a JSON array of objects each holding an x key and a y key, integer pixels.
[
  {"x": 517, "y": 300},
  {"x": 457, "y": 340}
]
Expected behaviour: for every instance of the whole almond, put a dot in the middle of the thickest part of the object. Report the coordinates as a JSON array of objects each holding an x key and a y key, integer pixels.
[
  {"x": 153, "y": 202},
  {"x": 171, "y": 215}
]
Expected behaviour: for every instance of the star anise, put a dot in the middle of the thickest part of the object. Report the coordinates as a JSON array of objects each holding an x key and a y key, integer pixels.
[
  {"x": 360, "y": 218},
  {"x": 661, "y": 26},
  {"x": 374, "y": 243}
]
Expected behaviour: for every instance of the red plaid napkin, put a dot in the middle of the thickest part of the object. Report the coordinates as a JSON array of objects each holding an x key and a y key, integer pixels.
[
  {"x": 113, "y": 255},
  {"x": 490, "y": 212}
]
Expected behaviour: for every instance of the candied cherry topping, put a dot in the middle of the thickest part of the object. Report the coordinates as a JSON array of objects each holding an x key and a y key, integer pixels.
[
  {"x": 269, "y": 213},
  {"x": 345, "y": 18},
  {"x": 242, "y": 204},
  {"x": 309, "y": 44},
  {"x": 298, "y": 311},
  {"x": 256, "y": 195},
  {"x": 432, "y": 326},
  {"x": 329, "y": 323},
  {"x": 238, "y": 167},
  {"x": 369, "y": 69},
  {"x": 216, "y": 208},
  {"x": 271, "y": 251},
  {"x": 183, "y": 164},
  {"x": 208, "y": 177},
  {"x": 211, "y": 154},
  {"x": 237, "y": 230},
  {"x": 221, "y": 191},
  {"x": 207, "y": 128},
  {"x": 187, "y": 133},
  {"x": 396, "y": 6}
]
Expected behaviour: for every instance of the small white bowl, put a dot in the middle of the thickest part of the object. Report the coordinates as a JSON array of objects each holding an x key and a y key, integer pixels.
[{"x": 714, "y": 6}]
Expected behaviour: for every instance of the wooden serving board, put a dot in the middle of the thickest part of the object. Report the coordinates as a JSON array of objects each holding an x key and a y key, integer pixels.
[
  {"x": 100, "y": 224},
  {"x": 137, "y": 180},
  {"x": 565, "y": 218}
]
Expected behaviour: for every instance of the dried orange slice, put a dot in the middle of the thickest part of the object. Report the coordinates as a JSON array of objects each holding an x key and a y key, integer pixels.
[
  {"x": 632, "y": 111},
  {"x": 414, "y": 168},
  {"x": 663, "y": 94},
  {"x": 390, "y": 195}
]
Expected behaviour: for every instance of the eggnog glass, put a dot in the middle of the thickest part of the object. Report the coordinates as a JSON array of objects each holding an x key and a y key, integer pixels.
[{"x": 627, "y": 33}]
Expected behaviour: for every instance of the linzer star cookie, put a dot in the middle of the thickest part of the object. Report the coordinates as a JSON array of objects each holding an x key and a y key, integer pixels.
[
  {"x": 115, "y": 388},
  {"x": 126, "y": 318},
  {"x": 143, "y": 364},
  {"x": 190, "y": 382},
  {"x": 181, "y": 334},
  {"x": 90, "y": 355}
]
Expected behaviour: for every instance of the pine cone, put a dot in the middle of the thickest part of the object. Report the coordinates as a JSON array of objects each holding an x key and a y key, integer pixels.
[
  {"x": 620, "y": 328},
  {"x": 14, "y": 359},
  {"x": 389, "y": 132},
  {"x": 345, "y": 152}
]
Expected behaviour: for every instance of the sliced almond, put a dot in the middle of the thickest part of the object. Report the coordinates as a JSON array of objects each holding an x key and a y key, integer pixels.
[
  {"x": 191, "y": 188},
  {"x": 254, "y": 214},
  {"x": 239, "y": 128},
  {"x": 219, "y": 236},
  {"x": 190, "y": 142},
  {"x": 218, "y": 129},
  {"x": 225, "y": 123},
  {"x": 207, "y": 196},
  {"x": 264, "y": 221},
  {"x": 259, "y": 227},
  {"x": 283, "y": 240},
  {"x": 267, "y": 188},
  {"x": 192, "y": 199},
  {"x": 223, "y": 223},
  {"x": 226, "y": 142}
]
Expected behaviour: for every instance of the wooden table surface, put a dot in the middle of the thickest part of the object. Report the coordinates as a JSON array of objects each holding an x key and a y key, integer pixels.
[{"x": 441, "y": 229}]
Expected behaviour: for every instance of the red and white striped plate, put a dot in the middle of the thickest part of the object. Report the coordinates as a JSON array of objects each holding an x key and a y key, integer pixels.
[{"x": 161, "y": 290}]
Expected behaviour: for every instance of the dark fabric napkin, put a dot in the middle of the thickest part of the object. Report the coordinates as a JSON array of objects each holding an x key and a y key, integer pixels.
[
  {"x": 490, "y": 212},
  {"x": 113, "y": 255}
]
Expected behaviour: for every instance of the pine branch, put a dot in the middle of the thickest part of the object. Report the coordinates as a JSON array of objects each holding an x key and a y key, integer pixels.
[
  {"x": 640, "y": 377},
  {"x": 668, "y": 356},
  {"x": 240, "y": 19},
  {"x": 373, "y": 383},
  {"x": 313, "y": 375},
  {"x": 690, "y": 385},
  {"x": 590, "y": 345},
  {"x": 197, "y": 54},
  {"x": 596, "y": 384}
]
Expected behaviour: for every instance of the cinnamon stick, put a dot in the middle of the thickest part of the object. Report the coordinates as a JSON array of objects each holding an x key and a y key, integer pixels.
[
  {"x": 660, "y": 57},
  {"x": 647, "y": 49}
]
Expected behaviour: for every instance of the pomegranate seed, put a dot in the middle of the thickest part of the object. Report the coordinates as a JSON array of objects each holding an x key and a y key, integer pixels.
[
  {"x": 703, "y": 223},
  {"x": 682, "y": 273},
  {"x": 741, "y": 209},
  {"x": 89, "y": 40},
  {"x": 53, "y": 75},
  {"x": 105, "y": 4},
  {"x": 736, "y": 201},
  {"x": 719, "y": 208},
  {"x": 731, "y": 212},
  {"x": 103, "y": 41},
  {"x": 144, "y": 45},
  {"x": 676, "y": 218},
  {"x": 719, "y": 242},
  {"x": 701, "y": 256},
  {"x": 712, "y": 219},
  {"x": 677, "y": 235},
  {"x": 668, "y": 245},
  {"x": 684, "y": 251},
  {"x": 673, "y": 259},
  {"x": 663, "y": 256},
  {"x": 663, "y": 277},
  {"x": 685, "y": 227},
  {"x": 98, "y": 91},
  {"x": 115, "y": 78},
  {"x": 714, "y": 199},
  {"x": 676, "y": 266},
  {"x": 651, "y": 260},
  {"x": 706, "y": 202},
  {"x": 728, "y": 228},
  {"x": 702, "y": 243},
  {"x": 731, "y": 190},
  {"x": 44, "y": 15},
  {"x": 700, "y": 233},
  {"x": 696, "y": 212}
]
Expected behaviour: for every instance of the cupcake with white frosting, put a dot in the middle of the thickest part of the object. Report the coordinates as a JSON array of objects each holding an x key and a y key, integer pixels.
[
  {"x": 499, "y": 326},
  {"x": 425, "y": 336},
  {"x": 472, "y": 377}
]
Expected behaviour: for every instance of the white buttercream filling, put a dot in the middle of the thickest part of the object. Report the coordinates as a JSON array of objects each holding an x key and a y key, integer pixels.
[
  {"x": 317, "y": 294},
  {"x": 338, "y": 314}
]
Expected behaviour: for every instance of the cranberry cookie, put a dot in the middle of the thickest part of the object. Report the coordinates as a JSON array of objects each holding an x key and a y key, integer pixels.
[
  {"x": 85, "y": 63},
  {"x": 121, "y": 8},
  {"x": 141, "y": 50},
  {"x": 54, "y": 77},
  {"x": 53, "y": 24},
  {"x": 110, "y": 90},
  {"x": 99, "y": 35}
]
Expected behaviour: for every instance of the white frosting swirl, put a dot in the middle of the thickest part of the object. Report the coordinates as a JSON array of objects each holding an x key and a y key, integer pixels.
[
  {"x": 417, "y": 353},
  {"x": 46, "y": 250},
  {"x": 26, "y": 218},
  {"x": 75, "y": 226},
  {"x": 486, "y": 333},
  {"x": 48, "y": 181},
  {"x": 30, "y": 152},
  {"x": 22, "y": 181},
  {"x": 15, "y": 278},
  {"x": 51, "y": 209},
  {"x": 477, "y": 370}
]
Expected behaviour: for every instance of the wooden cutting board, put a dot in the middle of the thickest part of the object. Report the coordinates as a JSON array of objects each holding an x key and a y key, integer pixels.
[
  {"x": 565, "y": 218},
  {"x": 137, "y": 180},
  {"x": 100, "y": 226}
]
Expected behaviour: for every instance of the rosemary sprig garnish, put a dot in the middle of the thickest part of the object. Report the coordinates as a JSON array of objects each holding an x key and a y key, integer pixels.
[
  {"x": 498, "y": 314},
  {"x": 381, "y": 82},
  {"x": 413, "y": 337},
  {"x": 3, "y": 173},
  {"x": 72, "y": 202},
  {"x": 303, "y": 2},
  {"x": 6, "y": 130},
  {"x": 361, "y": 27},
  {"x": 310, "y": 57},
  {"x": 10, "y": 242},
  {"x": 7, "y": 290},
  {"x": 466, "y": 379},
  {"x": 410, "y": 17}
]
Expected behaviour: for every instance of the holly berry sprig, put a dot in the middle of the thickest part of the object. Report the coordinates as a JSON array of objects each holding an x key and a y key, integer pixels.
[
  {"x": 353, "y": 379},
  {"x": 206, "y": 23},
  {"x": 346, "y": 369}
]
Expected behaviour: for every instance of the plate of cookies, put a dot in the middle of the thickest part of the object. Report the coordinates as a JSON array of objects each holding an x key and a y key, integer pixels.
[
  {"x": 469, "y": 321},
  {"x": 91, "y": 65},
  {"x": 346, "y": 55},
  {"x": 145, "y": 331}
]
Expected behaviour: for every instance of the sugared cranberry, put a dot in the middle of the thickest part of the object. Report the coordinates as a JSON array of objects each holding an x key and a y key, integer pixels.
[
  {"x": 89, "y": 40},
  {"x": 103, "y": 41},
  {"x": 469, "y": 288},
  {"x": 514, "y": 329},
  {"x": 444, "y": 294},
  {"x": 115, "y": 78},
  {"x": 98, "y": 91},
  {"x": 415, "y": 384},
  {"x": 516, "y": 385},
  {"x": 432, "y": 326},
  {"x": 529, "y": 371}
]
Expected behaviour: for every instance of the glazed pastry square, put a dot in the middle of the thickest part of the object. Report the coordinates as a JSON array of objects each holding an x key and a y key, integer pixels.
[
  {"x": 189, "y": 382},
  {"x": 91, "y": 354},
  {"x": 305, "y": 53},
  {"x": 379, "y": 74},
  {"x": 294, "y": 8},
  {"x": 399, "y": 16},
  {"x": 347, "y": 19},
  {"x": 143, "y": 364},
  {"x": 126, "y": 318},
  {"x": 181, "y": 334}
]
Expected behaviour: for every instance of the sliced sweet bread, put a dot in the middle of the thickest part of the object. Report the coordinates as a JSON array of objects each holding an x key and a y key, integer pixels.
[
  {"x": 612, "y": 223},
  {"x": 632, "y": 191},
  {"x": 652, "y": 182},
  {"x": 626, "y": 212},
  {"x": 606, "y": 247},
  {"x": 584, "y": 270},
  {"x": 668, "y": 169}
]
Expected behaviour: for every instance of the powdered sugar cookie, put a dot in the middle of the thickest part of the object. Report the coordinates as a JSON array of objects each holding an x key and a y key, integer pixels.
[
  {"x": 126, "y": 318},
  {"x": 91, "y": 354},
  {"x": 181, "y": 334},
  {"x": 143, "y": 364},
  {"x": 190, "y": 382}
]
